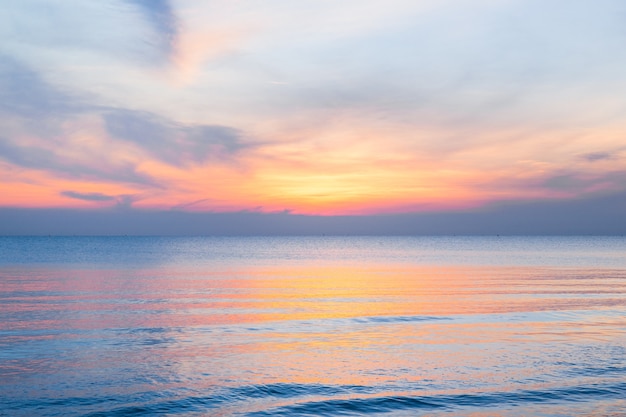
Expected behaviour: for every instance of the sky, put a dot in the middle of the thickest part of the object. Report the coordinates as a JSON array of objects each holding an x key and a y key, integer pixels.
[{"x": 477, "y": 116}]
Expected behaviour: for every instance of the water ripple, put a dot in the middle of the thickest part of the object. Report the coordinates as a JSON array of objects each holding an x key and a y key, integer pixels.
[
  {"x": 398, "y": 319},
  {"x": 385, "y": 404},
  {"x": 356, "y": 400}
]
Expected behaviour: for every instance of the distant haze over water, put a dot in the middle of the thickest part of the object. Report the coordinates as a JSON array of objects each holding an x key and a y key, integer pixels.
[{"x": 111, "y": 252}]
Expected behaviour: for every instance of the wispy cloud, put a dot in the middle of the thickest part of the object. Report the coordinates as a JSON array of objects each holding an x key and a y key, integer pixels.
[
  {"x": 175, "y": 143},
  {"x": 45, "y": 159},
  {"x": 161, "y": 15},
  {"x": 121, "y": 202},
  {"x": 87, "y": 196},
  {"x": 597, "y": 156},
  {"x": 112, "y": 29},
  {"x": 26, "y": 95}
]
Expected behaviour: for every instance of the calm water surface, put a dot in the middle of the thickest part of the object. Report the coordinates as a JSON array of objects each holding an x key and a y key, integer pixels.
[{"x": 319, "y": 326}]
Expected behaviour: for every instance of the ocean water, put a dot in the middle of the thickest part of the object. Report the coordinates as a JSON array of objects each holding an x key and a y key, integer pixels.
[{"x": 313, "y": 326}]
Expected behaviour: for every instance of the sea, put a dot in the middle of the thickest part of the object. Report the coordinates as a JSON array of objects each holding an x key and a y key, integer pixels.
[{"x": 313, "y": 326}]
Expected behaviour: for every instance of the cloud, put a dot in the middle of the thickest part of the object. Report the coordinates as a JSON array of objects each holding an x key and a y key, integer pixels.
[
  {"x": 597, "y": 156},
  {"x": 566, "y": 182},
  {"x": 583, "y": 185},
  {"x": 125, "y": 201},
  {"x": 38, "y": 158},
  {"x": 580, "y": 184},
  {"x": 115, "y": 29},
  {"x": 460, "y": 64},
  {"x": 26, "y": 95},
  {"x": 48, "y": 118},
  {"x": 161, "y": 16},
  {"x": 38, "y": 121},
  {"x": 173, "y": 143},
  {"x": 87, "y": 196},
  {"x": 122, "y": 201},
  {"x": 49, "y": 129}
]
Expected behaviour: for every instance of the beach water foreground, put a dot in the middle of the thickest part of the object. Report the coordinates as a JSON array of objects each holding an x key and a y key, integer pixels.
[{"x": 313, "y": 326}]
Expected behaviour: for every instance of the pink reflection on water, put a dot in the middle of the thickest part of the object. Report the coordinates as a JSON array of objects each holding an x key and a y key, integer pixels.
[{"x": 177, "y": 298}]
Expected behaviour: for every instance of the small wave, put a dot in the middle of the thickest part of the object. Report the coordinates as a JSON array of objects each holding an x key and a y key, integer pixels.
[
  {"x": 398, "y": 319},
  {"x": 353, "y": 400},
  {"x": 358, "y": 406},
  {"x": 386, "y": 404},
  {"x": 295, "y": 390},
  {"x": 169, "y": 407},
  {"x": 597, "y": 371},
  {"x": 149, "y": 403}
]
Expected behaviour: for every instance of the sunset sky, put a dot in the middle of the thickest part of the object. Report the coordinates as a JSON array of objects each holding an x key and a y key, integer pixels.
[{"x": 312, "y": 107}]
